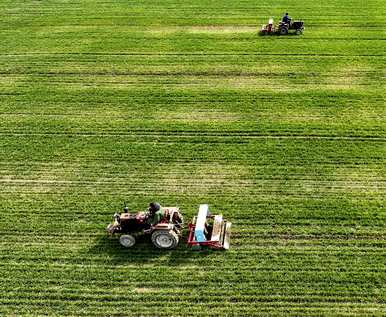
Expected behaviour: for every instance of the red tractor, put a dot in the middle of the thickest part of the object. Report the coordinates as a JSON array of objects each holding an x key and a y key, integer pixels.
[{"x": 164, "y": 235}]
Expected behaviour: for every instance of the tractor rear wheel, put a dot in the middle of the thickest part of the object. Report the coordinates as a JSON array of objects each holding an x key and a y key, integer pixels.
[
  {"x": 127, "y": 240},
  {"x": 163, "y": 239},
  {"x": 283, "y": 31}
]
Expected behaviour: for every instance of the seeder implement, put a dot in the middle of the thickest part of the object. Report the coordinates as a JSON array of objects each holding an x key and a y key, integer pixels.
[{"x": 209, "y": 230}]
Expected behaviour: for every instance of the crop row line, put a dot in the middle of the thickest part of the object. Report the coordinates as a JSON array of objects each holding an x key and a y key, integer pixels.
[
  {"x": 194, "y": 82},
  {"x": 263, "y": 253},
  {"x": 89, "y": 292},
  {"x": 171, "y": 135},
  {"x": 251, "y": 181},
  {"x": 189, "y": 73},
  {"x": 101, "y": 177},
  {"x": 185, "y": 285},
  {"x": 227, "y": 165},
  {"x": 155, "y": 298},
  {"x": 189, "y": 54},
  {"x": 220, "y": 284},
  {"x": 290, "y": 268},
  {"x": 310, "y": 265},
  {"x": 212, "y": 188},
  {"x": 136, "y": 174},
  {"x": 184, "y": 164},
  {"x": 165, "y": 301},
  {"x": 208, "y": 193},
  {"x": 372, "y": 197},
  {"x": 221, "y": 117}
]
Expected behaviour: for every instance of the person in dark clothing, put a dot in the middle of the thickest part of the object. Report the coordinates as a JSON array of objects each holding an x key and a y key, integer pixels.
[
  {"x": 286, "y": 18},
  {"x": 156, "y": 213}
]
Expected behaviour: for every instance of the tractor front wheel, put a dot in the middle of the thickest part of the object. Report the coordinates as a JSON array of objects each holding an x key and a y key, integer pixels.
[
  {"x": 163, "y": 239},
  {"x": 127, "y": 240}
]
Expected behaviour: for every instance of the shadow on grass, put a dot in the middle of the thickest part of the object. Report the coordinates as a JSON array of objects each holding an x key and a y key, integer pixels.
[
  {"x": 275, "y": 35},
  {"x": 143, "y": 252}
]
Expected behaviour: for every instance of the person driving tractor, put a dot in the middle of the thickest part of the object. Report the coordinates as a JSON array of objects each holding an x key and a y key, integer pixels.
[
  {"x": 286, "y": 19},
  {"x": 156, "y": 213}
]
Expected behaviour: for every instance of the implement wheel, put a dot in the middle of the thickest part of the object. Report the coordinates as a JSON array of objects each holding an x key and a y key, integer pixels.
[
  {"x": 127, "y": 240},
  {"x": 163, "y": 239}
]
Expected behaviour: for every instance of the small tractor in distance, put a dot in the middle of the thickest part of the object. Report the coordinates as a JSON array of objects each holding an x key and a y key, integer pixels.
[
  {"x": 164, "y": 235},
  {"x": 282, "y": 28}
]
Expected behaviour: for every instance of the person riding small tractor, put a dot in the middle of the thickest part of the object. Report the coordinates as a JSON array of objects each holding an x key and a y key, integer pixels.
[
  {"x": 163, "y": 224},
  {"x": 283, "y": 28}
]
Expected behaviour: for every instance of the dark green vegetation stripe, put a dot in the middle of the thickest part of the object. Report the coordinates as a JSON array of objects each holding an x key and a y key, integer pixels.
[{"x": 103, "y": 102}]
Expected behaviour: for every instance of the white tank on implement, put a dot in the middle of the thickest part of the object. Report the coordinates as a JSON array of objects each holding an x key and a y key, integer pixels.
[{"x": 199, "y": 233}]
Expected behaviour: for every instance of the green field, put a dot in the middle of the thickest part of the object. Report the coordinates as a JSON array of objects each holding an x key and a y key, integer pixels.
[{"x": 181, "y": 102}]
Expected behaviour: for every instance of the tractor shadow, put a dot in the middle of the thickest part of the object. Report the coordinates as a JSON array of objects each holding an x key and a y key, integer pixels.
[
  {"x": 277, "y": 36},
  {"x": 143, "y": 252}
]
